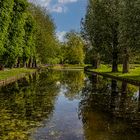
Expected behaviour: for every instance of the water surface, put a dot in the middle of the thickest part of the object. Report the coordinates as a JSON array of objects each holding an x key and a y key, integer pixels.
[{"x": 69, "y": 105}]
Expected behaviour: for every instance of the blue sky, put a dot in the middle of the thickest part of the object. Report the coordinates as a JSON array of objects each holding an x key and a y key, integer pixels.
[{"x": 67, "y": 14}]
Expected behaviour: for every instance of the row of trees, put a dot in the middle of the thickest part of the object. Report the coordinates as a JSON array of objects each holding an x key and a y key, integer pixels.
[
  {"x": 112, "y": 29},
  {"x": 27, "y": 35},
  {"x": 16, "y": 33},
  {"x": 46, "y": 41}
]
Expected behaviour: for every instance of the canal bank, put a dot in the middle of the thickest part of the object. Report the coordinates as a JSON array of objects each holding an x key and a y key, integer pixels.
[
  {"x": 132, "y": 77},
  {"x": 10, "y": 75}
]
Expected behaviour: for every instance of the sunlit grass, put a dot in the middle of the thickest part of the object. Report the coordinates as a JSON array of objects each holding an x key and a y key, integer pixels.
[
  {"x": 133, "y": 74},
  {"x": 7, "y": 73}
]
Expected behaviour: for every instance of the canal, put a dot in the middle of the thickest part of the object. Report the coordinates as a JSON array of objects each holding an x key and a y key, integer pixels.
[{"x": 69, "y": 105}]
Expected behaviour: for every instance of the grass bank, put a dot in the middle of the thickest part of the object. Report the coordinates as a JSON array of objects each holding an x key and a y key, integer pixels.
[
  {"x": 132, "y": 76},
  {"x": 9, "y": 73}
]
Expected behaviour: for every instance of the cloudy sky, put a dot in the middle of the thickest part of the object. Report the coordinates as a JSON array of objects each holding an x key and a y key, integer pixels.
[{"x": 66, "y": 13}]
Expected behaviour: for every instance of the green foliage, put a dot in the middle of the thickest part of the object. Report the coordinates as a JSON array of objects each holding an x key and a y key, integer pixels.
[
  {"x": 46, "y": 43},
  {"x": 100, "y": 28},
  {"x": 129, "y": 36},
  {"x": 111, "y": 29},
  {"x": 29, "y": 48},
  {"x": 16, "y": 12},
  {"x": 15, "y": 39},
  {"x": 6, "y": 8},
  {"x": 73, "y": 49},
  {"x": 27, "y": 35}
]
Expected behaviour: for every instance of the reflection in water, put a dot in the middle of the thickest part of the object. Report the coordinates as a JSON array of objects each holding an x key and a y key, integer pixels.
[
  {"x": 64, "y": 124},
  {"x": 139, "y": 101},
  {"x": 69, "y": 105},
  {"x": 23, "y": 105},
  {"x": 110, "y": 111},
  {"x": 114, "y": 96}
]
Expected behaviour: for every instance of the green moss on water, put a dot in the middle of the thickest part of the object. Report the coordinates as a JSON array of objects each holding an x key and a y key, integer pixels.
[
  {"x": 134, "y": 73},
  {"x": 8, "y": 73}
]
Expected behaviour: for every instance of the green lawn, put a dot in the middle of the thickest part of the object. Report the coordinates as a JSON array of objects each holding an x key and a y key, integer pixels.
[
  {"x": 134, "y": 73},
  {"x": 7, "y": 73}
]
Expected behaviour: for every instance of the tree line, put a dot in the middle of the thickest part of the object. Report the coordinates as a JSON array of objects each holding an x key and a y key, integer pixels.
[
  {"x": 112, "y": 33},
  {"x": 27, "y": 34},
  {"x": 28, "y": 37}
]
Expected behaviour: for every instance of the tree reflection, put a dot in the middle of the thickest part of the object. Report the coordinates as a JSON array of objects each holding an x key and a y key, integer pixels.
[
  {"x": 109, "y": 109},
  {"x": 139, "y": 101},
  {"x": 24, "y": 104},
  {"x": 74, "y": 82},
  {"x": 104, "y": 107},
  {"x": 123, "y": 101},
  {"x": 114, "y": 103}
]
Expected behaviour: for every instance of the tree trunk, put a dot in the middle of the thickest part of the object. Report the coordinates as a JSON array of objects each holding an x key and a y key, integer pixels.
[
  {"x": 126, "y": 61},
  {"x": 115, "y": 48},
  {"x": 1, "y": 67},
  {"x": 35, "y": 64},
  {"x": 96, "y": 62},
  {"x": 30, "y": 63},
  {"x": 24, "y": 63},
  {"x": 18, "y": 63},
  {"x": 115, "y": 61}
]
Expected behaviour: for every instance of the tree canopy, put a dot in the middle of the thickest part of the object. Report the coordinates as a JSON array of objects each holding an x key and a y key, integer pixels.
[
  {"x": 27, "y": 35},
  {"x": 112, "y": 30}
]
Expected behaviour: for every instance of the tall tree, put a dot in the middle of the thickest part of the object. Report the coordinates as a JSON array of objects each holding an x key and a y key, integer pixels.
[
  {"x": 16, "y": 32},
  {"x": 101, "y": 25},
  {"x": 6, "y": 8},
  {"x": 91, "y": 29},
  {"x": 112, "y": 27},
  {"x": 129, "y": 35},
  {"x": 29, "y": 49},
  {"x": 45, "y": 35}
]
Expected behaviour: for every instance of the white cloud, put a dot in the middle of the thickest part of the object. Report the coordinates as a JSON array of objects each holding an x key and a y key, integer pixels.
[
  {"x": 66, "y": 1},
  {"x": 58, "y": 7},
  {"x": 44, "y": 3},
  {"x": 61, "y": 35}
]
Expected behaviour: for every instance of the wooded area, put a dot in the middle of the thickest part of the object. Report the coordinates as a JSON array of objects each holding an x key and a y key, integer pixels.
[
  {"x": 28, "y": 37},
  {"x": 110, "y": 34},
  {"x": 111, "y": 30}
]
